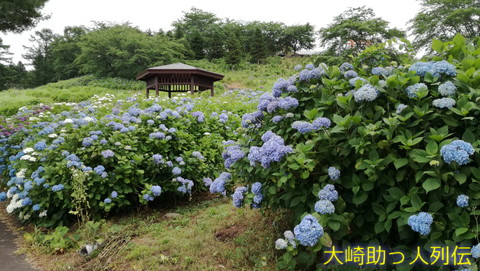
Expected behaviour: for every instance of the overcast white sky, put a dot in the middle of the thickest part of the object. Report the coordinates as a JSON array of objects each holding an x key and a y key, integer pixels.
[{"x": 156, "y": 14}]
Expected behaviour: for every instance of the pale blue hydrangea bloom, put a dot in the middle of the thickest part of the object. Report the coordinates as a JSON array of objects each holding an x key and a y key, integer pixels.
[
  {"x": 350, "y": 74},
  {"x": 281, "y": 244},
  {"x": 256, "y": 188},
  {"x": 156, "y": 190},
  {"x": 238, "y": 196},
  {"x": 231, "y": 155},
  {"x": 309, "y": 231},
  {"x": 309, "y": 66},
  {"x": 176, "y": 171},
  {"x": 107, "y": 201},
  {"x": 458, "y": 151},
  {"x": 476, "y": 251},
  {"x": 400, "y": 108},
  {"x": 462, "y": 201},
  {"x": 298, "y": 68},
  {"x": 353, "y": 81},
  {"x": 218, "y": 186},
  {"x": 444, "y": 103},
  {"x": 321, "y": 122},
  {"x": 288, "y": 103},
  {"x": 324, "y": 207},
  {"x": 380, "y": 71},
  {"x": 328, "y": 193},
  {"x": 447, "y": 89},
  {"x": 345, "y": 67},
  {"x": 277, "y": 119},
  {"x": 303, "y": 127},
  {"x": 333, "y": 173},
  {"x": 366, "y": 93},
  {"x": 107, "y": 153},
  {"x": 421, "y": 223},
  {"x": 413, "y": 89}
]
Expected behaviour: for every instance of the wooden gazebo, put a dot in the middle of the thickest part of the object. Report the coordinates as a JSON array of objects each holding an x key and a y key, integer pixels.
[{"x": 179, "y": 77}]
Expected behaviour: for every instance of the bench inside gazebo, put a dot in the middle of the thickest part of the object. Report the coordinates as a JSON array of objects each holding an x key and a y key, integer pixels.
[{"x": 179, "y": 77}]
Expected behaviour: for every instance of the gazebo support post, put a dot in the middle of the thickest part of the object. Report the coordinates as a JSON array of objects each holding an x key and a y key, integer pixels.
[
  {"x": 192, "y": 90},
  {"x": 212, "y": 91},
  {"x": 146, "y": 92},
  {"x": 156, "y": 85},
  {"x": 169, "y": 87}
]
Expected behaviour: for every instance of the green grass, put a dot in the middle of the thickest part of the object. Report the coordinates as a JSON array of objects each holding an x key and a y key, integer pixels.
[
  {"x": 207, "y": 235},
  {"x": 246, "y": 76}
]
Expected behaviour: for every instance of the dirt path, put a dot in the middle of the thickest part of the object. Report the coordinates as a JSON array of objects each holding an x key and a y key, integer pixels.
[{"x": 9, "y": 261}]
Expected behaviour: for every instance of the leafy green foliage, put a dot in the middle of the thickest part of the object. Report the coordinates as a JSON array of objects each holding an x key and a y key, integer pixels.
[
  {"x": 18, "y": 16},
  {"x": 124, "y": 51},
  {"x": 443, "y": 19},
  {"x": 391, "y": 164},
  {"x": 354, "y": 30}
]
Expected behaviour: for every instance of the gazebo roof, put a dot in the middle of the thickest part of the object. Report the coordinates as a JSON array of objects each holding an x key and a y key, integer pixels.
[{"x": 178, "y": 68}]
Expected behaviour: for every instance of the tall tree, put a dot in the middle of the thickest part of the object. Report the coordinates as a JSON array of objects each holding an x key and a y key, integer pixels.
[
  {"x": 64, "y": 51},
  {"x": 19, "y": 15},
  {"x": 298, "y": 37},
  {"x": 4, "y": 53},
  {"x": 354, "y": 30},
  {"x": 39, "y": 55},
  {"x": 442, "y": 19},
  {"x": 124, "y": 51}
]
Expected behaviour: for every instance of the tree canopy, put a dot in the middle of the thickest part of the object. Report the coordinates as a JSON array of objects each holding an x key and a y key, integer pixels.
[
  {"x": 19, "y": 15},
  {"x": 354, "y": 30},
  {"x": 443, "y": 19}
]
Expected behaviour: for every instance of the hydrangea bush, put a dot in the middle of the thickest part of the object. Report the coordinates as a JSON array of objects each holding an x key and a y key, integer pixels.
[
  {"x": 387, "y": 157},
  {"x": 123, "y": 152}
]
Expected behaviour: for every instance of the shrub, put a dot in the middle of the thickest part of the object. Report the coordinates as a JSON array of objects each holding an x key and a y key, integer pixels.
[
  {"x": 104, "y": 155},
  {"x": 392, "y": 152}
]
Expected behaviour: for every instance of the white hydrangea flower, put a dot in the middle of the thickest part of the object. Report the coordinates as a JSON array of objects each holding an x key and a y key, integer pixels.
[
  {"x": 43, "y": 214},
  {"x": 21, "y": 173},
  {"x": 88, "y": 119},
  {"x": 68, "y": 121},
  {"x": 52, "y": 135},
  {"x": 28, "y": 150}
]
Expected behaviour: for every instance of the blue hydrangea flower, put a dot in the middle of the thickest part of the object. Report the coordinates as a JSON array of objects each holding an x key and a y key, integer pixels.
[
  {"x": 400, "y": 108},
  {"x": 444, "y": 103},
  {"x": 107, "y": 201},
  {"x": 353, "y": 81},
  {"x": 238, "y": 196},
  {"x": 345, "y": 67},
  {"x": 476, "y": 251},
  {"x": 103, "y": 141},
  {"x": 148, "y": 197},
  {"x": 207, "y": 181},
  {"x": 380, "y": 71},
  {"x": 462, "y": 201},
  {"x": 328, "y": 193},
  {"x": 231, "y": 155},
  {"x": 277, "y": 119},
  {"x": 257, "y": 201},
  {"x": 421, "y": 223},
  {"x": 26, "y": 201},
  {"x": 366, "y": 93},
  {"x": 281, "y": 244},
  {"x": 309, "y": 66},
  {"x": 218, "y": 186},
  {"x": 413, "y": 89},
  {"x": 198, "y": 155},
  {"x": 99, "y": 169},
  {"x": 272, "y": 150},
  {"x": 333, "y": 173},
  {"x": 176, "y": 171},
  {"x": 307, "y": 75},
  {"x": 58, "y": 187},
  {"x": 40, "y": 146},
  {"x": 350, "y": 74},
  {"x": 156, "y": 190},
  {"x": 302, "y": 127},
  {"x": 298, "y": 68},
  {"x": 157, "y": 135},
  {"x": 114, "y": 194},
  {"x": 458, "y": 151},
  {"x": 322, "y": 122},
  {"x": 324, "y": 207},
  {"x": 288, "y": 103},
  {"x": 257, "y": 188},
  {"x": 36, "y": 207},
  {"x": 447, "y": 89},
  {"x": 3, "y": 196},
  {"x": 107, "y": 154},
  {"x": 309, "y": 231},
  {"x": 87, "y": 142},
  {"x": 157, "y": 158}
]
